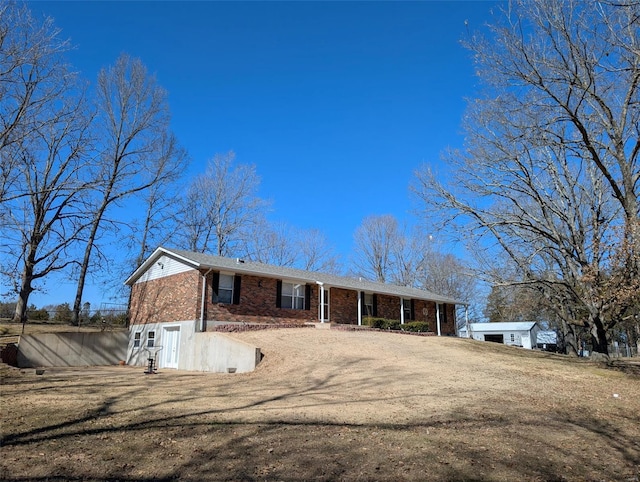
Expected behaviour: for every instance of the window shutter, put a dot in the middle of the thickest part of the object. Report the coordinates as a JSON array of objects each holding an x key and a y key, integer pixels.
[
  {"x": 236, "y": 289},
  {"x": 214, "y": 287},
  {"x": 307, "y": 297},
  {"x": 443, "y": 315},
  {"x": 375, "y": 305},
  {"x": 363, "y": 305},
  {"x": 279, "y": 294},
  {"x": 413, "y": 310}
]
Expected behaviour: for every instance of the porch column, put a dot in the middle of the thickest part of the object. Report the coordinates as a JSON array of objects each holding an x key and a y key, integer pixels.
[
  {"x": 466, "y": 319},
  {"x": 359, "y": 308},
  {"x": 402, "y": 311},
  {"x": 438, "y": 318},
  {"x": 321, "y": 301}
]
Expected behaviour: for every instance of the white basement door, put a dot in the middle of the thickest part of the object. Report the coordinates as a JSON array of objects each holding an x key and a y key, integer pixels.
[{"x": 171, "y": 343}]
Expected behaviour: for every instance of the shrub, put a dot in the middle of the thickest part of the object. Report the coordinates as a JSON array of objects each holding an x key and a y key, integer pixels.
[
  {"x": 416, "y": 326},
  {"x": 7, "y": 309},
  {"x": 37, "y": 314},
  {"x": 386, "y": 324},
  {"x": 381, "y": 323},
  {"x": 378, "y": 323},
  {"x": 392, "y": 325},
  {"x": 63, "y": 313}
]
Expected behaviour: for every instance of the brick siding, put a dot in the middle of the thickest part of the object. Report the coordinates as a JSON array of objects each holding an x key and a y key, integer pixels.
[
  {"x": 343, "y": 306},
  {"x": 258, "y": 304},
  {"x": 173, "y": 298},
  {"x": 177, "y": 298},
  {"x": 388, "y": 307}
]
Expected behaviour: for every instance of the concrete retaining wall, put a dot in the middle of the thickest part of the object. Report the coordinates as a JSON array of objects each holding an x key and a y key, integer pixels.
[
  {"x": 215, "y": 352},
  {"x": 72, "y": 349},
  {"x": 197, "y": 351}
]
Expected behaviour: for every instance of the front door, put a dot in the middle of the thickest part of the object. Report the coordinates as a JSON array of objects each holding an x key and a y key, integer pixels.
[{"x": 171, "y": 343}]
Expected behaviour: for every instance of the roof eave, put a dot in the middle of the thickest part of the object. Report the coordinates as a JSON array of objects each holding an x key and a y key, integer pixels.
[
  {"x": 152, "y": 259},
  {"x": 306, "y": 277}
]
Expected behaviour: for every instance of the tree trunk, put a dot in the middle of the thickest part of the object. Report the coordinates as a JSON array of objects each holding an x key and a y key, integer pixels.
[
  {"x": 20, "y": 315},
  {"x": 84, "y": 267},
  {"x": 569, "y": 339},
  {"x": 598, "y": 337}
]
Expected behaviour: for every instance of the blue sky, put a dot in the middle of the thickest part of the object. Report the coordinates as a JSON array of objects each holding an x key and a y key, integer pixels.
[{"x": 336, "y": 103}]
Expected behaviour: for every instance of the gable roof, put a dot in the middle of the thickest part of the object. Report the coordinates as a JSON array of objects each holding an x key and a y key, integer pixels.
[{"x": 207, "y": 261}]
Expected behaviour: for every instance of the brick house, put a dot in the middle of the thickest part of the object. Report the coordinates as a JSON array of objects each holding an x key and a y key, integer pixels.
[{"x": 177, "y": 294}]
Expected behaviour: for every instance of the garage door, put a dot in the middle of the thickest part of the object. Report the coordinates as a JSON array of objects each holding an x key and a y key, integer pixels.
[{"x": 494, "y": 338}]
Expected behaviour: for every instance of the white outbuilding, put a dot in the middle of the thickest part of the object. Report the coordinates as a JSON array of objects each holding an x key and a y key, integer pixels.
[{"x": 516, "y": 333}]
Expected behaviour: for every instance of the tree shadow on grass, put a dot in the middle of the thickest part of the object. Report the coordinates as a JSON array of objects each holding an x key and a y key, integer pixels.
[{"x": 234, "y": 431}]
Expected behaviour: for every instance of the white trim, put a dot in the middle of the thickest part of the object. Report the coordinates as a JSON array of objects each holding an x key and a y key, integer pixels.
[
  {"x": 204, "y": 298},
  {"x": 359, "y": 308},
  {"x": 157, "y": 255},
  {"x": 166, "y": 349},
  {"x": 322, "y": 315},
  {"x": 295, "y": 286}
]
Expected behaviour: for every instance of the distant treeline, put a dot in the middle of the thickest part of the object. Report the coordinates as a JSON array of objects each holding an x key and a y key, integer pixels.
[{"x": 62, "y": 313}]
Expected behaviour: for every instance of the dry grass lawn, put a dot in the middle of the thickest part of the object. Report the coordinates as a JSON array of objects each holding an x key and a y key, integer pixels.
[{"x": 329, "y": 405}]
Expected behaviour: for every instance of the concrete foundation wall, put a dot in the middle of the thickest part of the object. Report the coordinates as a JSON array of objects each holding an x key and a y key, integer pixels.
[
  {"x": 197, "y": 351},
  {"x": 72, "y": 349},
  {"x": 215, "y": 352}
]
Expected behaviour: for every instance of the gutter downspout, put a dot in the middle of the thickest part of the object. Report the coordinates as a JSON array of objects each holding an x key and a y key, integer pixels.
[
  {"x": 204, "y": 293},
  {"x": 359, "y": 308}
]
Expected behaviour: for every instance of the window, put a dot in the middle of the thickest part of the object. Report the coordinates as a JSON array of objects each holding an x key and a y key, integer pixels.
[
  {"x": 368, "y": 304},
  {"x": 151, "y": 339},
  {"x": 225, "y": 288},
  {"x": 513, "y": 337},
  {"x": 406, "y": 308},
  {"x": 293, "y": 296},
  {"x": 136, "y": 339}
]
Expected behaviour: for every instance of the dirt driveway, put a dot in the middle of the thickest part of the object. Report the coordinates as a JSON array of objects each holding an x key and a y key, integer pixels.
[{"x": 330, "y": 405}]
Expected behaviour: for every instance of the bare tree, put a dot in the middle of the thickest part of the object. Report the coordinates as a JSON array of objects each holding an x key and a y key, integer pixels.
[
  {"x": 157, "y": 225},
  {"x": 138, "y": 150},
  {"x": 44, "y": 146},
  {"x": 375, "y": 240},
  {"x": 50, "y": 218},
  {"x": 316, "y": 253},
  {"x": 221, "y": 207},
  {"x": 388, "y": 252},
  {"x": 33, "y": 75},
  {"x": 515, "y": 303},
  {"x": 283, "y": 245},
  {"x": 271, "y": 243},
  {"x": 550, "y": 168},
  {"x": 447, "y": 275},
  {"x": 410, "y": 254}
]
